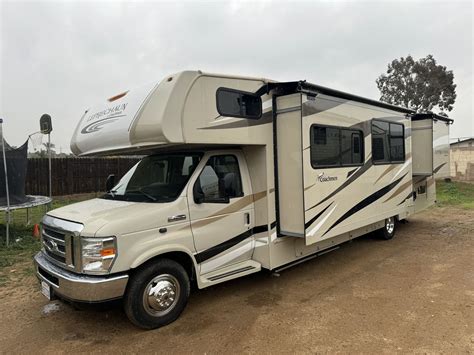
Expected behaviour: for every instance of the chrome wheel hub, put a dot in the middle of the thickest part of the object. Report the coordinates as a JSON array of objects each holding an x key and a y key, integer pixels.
[
  {"x": 390, "y": 225},
  {"x": 161, "y": 295}
]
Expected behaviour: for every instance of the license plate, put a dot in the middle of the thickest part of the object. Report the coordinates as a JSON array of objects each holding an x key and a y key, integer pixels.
[{"x": 46, "y": 290}]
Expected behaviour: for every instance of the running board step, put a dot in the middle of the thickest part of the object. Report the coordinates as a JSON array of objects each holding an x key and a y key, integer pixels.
[{"x": 230, "y": 272}]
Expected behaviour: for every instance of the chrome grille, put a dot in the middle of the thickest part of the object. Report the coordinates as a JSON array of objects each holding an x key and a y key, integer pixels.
[
  {"x": 59, "y": 238},
  {"x": 55, "y": 244}
]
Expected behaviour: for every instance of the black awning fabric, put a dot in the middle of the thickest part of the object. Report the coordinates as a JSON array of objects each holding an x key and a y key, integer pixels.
[{"x": 17, "y": 162}]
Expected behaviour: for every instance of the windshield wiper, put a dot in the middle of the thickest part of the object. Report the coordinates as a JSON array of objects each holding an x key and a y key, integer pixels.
[{"x": 143, "y": 193}]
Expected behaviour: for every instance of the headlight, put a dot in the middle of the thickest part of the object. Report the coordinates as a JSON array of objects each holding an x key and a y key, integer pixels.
[{"x": 98, "y": 254}]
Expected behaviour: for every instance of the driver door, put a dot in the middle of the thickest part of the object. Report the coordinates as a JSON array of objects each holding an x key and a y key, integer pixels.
[{"x": 221, "y": 211}]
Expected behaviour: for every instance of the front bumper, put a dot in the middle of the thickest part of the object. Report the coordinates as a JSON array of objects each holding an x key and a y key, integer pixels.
[{"x": 78, "y": 287}]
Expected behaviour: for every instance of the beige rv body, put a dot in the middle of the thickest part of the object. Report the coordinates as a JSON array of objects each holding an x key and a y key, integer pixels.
[{"x": 289, "y": 209}]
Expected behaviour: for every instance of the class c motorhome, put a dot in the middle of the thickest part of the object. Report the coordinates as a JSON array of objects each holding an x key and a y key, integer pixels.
[{"x": 239, "y": 174}]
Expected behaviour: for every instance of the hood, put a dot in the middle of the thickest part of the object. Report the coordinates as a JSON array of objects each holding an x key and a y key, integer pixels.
[{"x": 102, "y": 217}]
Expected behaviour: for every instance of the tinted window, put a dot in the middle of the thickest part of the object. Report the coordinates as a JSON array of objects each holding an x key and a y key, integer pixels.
[
  {"x": 235, "y": 103},
  {"x": 325, "y": 147},
  {"x": 351, "y": 147},
  {"x": 220, "y": 178},
  {"x": 396, "y": 149},
  {"x": 334, "y": 146},
  {"x": 388, "y": 144},
  {"x": 380, "y": 144}
]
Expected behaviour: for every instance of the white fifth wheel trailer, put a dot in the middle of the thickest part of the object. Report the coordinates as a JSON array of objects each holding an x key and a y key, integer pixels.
[{"x": 239, "y": 174}]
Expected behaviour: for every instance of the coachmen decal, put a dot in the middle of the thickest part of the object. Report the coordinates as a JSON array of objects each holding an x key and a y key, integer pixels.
[
  {"x": 325, "y": 178},
  {"x": 103, "y": 118}
]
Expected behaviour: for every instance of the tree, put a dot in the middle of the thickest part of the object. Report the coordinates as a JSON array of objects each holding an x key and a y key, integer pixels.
[{"x": 421, "y": 85}]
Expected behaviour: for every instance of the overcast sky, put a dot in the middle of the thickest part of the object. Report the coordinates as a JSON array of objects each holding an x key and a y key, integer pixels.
[{"x": 62, "y": 57}]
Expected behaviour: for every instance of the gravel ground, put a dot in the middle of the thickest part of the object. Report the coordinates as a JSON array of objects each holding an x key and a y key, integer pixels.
[{"x": 414, "y": 293}]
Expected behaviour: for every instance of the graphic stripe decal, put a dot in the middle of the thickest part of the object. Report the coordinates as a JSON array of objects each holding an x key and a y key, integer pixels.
[
  {"x": 438, "y": 168},
  {"x": 219, "y": 248},
  {"x": 400, "y": 190},
  {"x": 367, "y": 201},
  {"x": 389, "y": 169},
  {"x": 266, "y": 118},
  {"x": 322, "y": 221},
  {"x": 351, "y": 172},
  {"x": 312, "y": 220},
  {"x": 406, "y": 198},
  {"x": 353, "y": 177}
]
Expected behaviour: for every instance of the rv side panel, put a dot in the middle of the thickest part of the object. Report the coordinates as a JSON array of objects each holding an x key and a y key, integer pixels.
[
  {"x": 290, "y": 165},
  {"x": 357, "y": 166}
]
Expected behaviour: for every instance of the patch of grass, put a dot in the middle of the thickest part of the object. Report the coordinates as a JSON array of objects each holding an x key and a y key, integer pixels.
[
  {"x": 23, "y": 246},
  {"x": 455, "y": 193}
]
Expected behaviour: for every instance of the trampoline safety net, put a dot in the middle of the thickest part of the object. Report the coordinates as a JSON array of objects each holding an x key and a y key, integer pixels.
[{"x": 17, "y": 162}]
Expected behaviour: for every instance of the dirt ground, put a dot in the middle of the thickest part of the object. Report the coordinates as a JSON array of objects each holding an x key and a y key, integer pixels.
[{"x": 414, "y": 293}]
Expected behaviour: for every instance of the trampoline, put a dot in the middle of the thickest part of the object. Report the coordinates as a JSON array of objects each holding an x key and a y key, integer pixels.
[{"x": 14, "y": 163}]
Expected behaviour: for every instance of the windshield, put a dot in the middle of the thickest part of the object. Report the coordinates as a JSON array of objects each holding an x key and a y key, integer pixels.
[{"x": 156, "y": 178}]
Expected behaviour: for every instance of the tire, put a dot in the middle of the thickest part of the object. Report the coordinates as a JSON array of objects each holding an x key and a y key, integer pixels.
[
  {"x": 170, "y": 284},
  {"x": 388, "y": 231}
]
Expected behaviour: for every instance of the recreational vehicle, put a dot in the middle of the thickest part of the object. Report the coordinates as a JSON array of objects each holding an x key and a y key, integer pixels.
[{"x": 238, "y": 174}]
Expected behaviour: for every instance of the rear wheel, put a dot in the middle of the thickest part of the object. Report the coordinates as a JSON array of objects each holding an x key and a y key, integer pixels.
[
  {"x": 157, "y": 294},
  {"x": 388, "y": 231}
]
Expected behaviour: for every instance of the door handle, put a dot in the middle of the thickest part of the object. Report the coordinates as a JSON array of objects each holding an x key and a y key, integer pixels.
[
  {"x": 178, "y": 217},
  {"x": 247, "y": 218}
]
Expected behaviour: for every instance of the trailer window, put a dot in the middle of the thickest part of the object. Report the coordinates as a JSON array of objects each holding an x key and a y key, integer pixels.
[
  {"x": 397, "y": 146},
  {"x": 351, "y": 147},
  {"x": 325, "y": 146},
  {"x": 236, "y": 103},
  {"x": 335, "y": 146},
  {"x": 388, "y": 142}
]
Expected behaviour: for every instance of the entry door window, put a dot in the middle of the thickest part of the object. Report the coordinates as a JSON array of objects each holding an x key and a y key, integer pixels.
[{"x": 220, "y": 178}]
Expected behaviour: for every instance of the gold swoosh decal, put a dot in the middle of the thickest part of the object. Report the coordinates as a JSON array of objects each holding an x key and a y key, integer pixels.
[
  {"x": 390, "y": 168},
  {"x": 234, "y": 207},
  {"x": 399, "y": 190}
]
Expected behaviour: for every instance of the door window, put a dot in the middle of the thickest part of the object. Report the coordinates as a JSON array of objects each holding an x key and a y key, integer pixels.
[{"x": 219, "y": 181}]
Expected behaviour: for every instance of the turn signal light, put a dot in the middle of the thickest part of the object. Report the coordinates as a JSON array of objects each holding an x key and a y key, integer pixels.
[{"x": 107, "y": 252}]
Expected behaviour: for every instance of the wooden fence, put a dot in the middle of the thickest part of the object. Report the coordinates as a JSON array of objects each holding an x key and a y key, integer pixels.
[{"x": 74, "y": 175}]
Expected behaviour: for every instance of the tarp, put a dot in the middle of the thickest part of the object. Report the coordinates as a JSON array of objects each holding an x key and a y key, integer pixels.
[{"x": 17, "y": 161}]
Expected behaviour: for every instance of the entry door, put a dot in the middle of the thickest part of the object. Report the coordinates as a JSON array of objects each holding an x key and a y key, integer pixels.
[{"x": 222, "y": 212}]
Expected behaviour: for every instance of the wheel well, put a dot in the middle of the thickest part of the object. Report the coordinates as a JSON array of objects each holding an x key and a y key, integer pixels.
[{"x": 180, "y": 257}]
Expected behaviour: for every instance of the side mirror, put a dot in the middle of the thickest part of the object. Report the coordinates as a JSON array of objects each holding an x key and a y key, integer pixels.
[
  {"x": 198, "y": 195},
  {"x": 110, "y": 183}
]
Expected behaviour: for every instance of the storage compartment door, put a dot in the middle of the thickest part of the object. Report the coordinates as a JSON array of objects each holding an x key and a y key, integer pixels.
[
  {"x": 289, "y": 161},
  {"x": 422, "y": 147}
]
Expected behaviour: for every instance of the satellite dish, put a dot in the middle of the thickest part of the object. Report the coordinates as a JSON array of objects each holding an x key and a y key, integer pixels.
[{"x": 45, "y": 124}]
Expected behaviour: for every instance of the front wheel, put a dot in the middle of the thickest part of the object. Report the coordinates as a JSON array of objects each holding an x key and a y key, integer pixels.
[
  {"x": 388, "y": 231},
  {"x": 157, "y": 294}
]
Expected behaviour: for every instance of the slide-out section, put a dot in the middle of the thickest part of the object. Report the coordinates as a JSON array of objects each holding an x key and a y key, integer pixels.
[
  {"x": 422, "y": 147},
  {"x": 289, "y": 161},
  {"x": 441, "y": 161}
]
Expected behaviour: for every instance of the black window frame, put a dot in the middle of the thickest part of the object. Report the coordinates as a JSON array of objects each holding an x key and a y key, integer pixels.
[
  {"x": 242, "y": 93},
  {"x": 390, "y": 161},
  {"x": 340, "y": 165}
]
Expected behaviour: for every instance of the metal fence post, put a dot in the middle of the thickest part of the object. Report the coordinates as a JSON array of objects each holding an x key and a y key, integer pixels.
[{"x": 6, "y": 184}]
